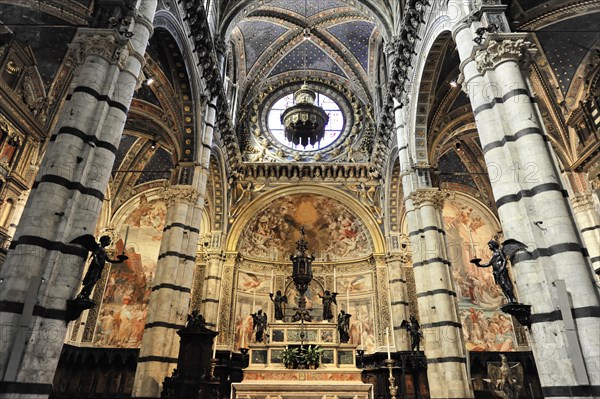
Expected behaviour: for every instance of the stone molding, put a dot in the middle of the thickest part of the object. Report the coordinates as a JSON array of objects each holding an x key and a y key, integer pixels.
[
  {"x": 582, "y": 202},
  {"x": 100, "y": 42},
  {"x": 180, "y": 194},
  {"x": 434, "y": 197},
  {"x": 502, "y": 48}
]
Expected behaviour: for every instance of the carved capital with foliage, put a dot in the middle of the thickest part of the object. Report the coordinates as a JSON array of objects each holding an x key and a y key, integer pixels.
[
  {"x": 434, "y": 197},
  {"x": 100, "y": 42},
  {"x": 502, "y": 48},
  {"x": 180, "y": 194}
]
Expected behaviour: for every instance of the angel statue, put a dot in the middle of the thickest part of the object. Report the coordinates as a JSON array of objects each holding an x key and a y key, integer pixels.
[
  {"x": 280, "y": 301},
  {"x": 98, "y": 259},
  {"x": 414, "y": 329},
  {"x": 343, "y": 326},
  {"x": 506, "y": 380},
  {"x": 498, "y": 261},
  {"x": 328, "y": 298},
  {"x": 259, "y": 320}
]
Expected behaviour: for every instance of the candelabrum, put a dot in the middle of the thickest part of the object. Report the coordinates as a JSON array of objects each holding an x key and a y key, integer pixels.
[
  {"x": 244, "y": 352},
  {"x": 393, "y": 388},
  {"x": 361, "y": 357},
  {"x": 213, "y": 364}
]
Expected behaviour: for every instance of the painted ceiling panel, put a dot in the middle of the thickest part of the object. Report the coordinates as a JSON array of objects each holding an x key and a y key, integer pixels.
[
  {"x": 312, "y": 7},
  {"x": 160, "y": 161},
  {"x": 453, "y": 170},
  {"x": 566, "y": 43},
  {"x": 258, "y": 36},
  {"x": 126, "y": 143},
  {"x": 315, "y": 59},
  {"x": 355, "y": 36}
]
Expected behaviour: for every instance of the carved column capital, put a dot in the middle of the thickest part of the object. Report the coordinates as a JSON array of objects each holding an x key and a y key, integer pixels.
[
  {"x": 101, "y": 42},
  {"x": 180, "y": 194},
  {"x": 434, "y": 197},
  {"x": 500, "y": 48}
]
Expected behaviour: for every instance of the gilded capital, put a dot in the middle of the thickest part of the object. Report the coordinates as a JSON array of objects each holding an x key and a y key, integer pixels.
[
  {"x": 501, "y": 48},
  {"x": 180, "y": 194},
  {"x": 432, "y": 197}
]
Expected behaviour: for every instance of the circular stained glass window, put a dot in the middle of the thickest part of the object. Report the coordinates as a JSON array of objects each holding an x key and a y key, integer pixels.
[{"x": 332, "y": 131}]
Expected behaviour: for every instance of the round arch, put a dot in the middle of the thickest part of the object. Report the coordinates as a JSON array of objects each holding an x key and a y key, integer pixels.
[
  {"x": 260, "y": 203},
  {"x": 436, "y": 28}
]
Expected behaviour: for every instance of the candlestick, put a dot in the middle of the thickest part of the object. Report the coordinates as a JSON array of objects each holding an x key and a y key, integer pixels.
[
  {"x": 125, "y": 242},
  {"x": 243, "y": 331},
  {"x": 214, "y": 355},
  {"x": 387, "y": 342},
  {"x": 334, "y": 280},
  {"x": 473, "y": 253},
  {"x": 253, "y": 300},
  {"x": 348, "y": 301},
  {"x": 272, "y": 280},
  {"x": 361, "y": 336}
]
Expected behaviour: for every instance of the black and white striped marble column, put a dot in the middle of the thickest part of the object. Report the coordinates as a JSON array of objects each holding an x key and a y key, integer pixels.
[
  {"x": 212, "y": 287},
  {"x": 443, "y": 339},
  {"x": 588, "y": 221},
  {"x": 171, "y": 290},
  {"x": 533, "y": 209},
  {"x": 399, "y": 299},
  {"x": 438, "y": 308},
  {"x": 65, "y": 202}
]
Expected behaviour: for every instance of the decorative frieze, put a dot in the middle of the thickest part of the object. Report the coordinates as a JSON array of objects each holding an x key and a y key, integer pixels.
[
  {"x": 180, "y": 194},
  {"x": 582, "y": 202},
  {"x": 502, "y": 48}
]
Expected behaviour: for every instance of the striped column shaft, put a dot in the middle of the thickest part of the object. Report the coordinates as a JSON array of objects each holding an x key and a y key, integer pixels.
[
  {"x": 527, "y": 191},
  {"x": 171, "y": 291},
  {"x": 436, "y": 299},
  {"x": 558, "y": 240},
  {"x": 399, "y": 299},
  {"x": 65, "y": 202},
  {"x": 212, "y": 290},
  {"x": 588, "y": 221}
]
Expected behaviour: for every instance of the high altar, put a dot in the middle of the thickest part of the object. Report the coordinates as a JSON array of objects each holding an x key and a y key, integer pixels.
[{"x": 335, "y": 375}]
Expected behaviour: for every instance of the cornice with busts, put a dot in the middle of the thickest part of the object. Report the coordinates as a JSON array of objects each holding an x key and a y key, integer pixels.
[
  {"x": 180, "y": 194},
  {"x": 503, "y": 47}
]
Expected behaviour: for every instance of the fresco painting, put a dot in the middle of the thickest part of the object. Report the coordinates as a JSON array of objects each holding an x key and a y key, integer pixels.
[
  {"x": 123, "y": 311},
  {"x": 243, "y": 325},
  {"x": 485, "y": 327},
  {"x": 354, "y": 283},
  {"x": 332, "y": 231},
  {"x": 362, "y": 319},
  {"x": 313, "y": 301}
]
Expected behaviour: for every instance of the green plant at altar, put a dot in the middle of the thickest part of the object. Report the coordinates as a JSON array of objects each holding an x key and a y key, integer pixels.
[
  {"x": 290, "y": 357},
  {"x": 311, "y": 356}
]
